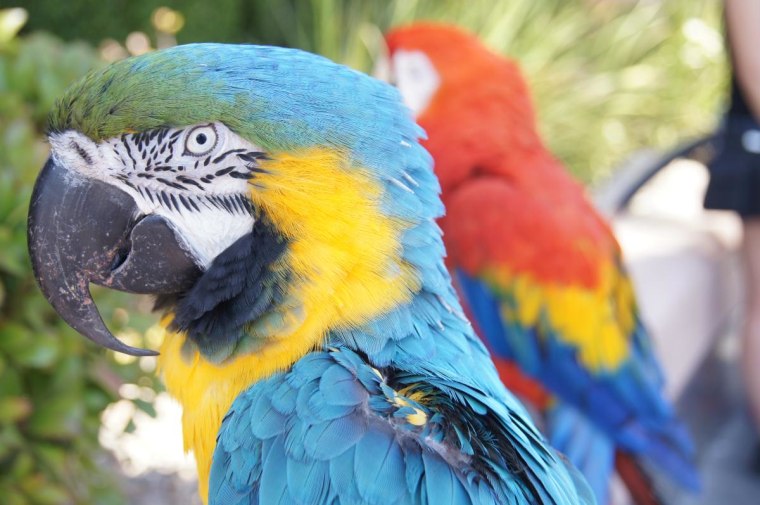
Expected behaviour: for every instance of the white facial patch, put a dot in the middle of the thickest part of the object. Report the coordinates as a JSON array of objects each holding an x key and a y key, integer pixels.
[
  {"x": 198, "y": 178},
  {"x": 416, "y": 79}
]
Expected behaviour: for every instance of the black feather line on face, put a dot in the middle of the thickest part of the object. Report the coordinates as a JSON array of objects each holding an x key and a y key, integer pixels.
[{"x": 238, "y": 288}]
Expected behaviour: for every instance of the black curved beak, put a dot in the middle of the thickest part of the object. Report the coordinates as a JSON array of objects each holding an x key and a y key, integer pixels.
[{"x": 83, "y": 230}]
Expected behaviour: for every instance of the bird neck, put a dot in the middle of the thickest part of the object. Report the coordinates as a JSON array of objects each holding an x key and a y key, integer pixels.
[
  {"x": 206, "y": 390},
  {"x": 347, "y": 262}
]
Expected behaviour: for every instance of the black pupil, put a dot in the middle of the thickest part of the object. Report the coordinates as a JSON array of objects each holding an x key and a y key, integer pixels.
[{"x": 201, "y": 138}]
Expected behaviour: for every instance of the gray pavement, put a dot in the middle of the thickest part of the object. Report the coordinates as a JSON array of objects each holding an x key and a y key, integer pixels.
[
  {"x": 685, "y": 265},
  {"x": 727, "y": 443}
]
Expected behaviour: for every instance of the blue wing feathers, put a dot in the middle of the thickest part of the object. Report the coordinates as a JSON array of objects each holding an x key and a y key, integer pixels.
[
  {"x": 373, "y": 453},
  {"x": 379, "y": 468},
  {"x": 414, "y": 470},
  {"x": 505, "y": 339},
  {"x": 269, "y": 422},
  {"x": 330, "y": 438},
  {"x": 308, "y": 480},
  {"x": 591, "y": 450},
  {"x": 342, "y": 478},
  {"x": 441, "y": 483},
  {"x": 626, "y": 405},
  {"x": 225, "y": 490},
  {"x": 274, "y": 483},
  {"x": 284, "y": 398},
  {"x": 486, "y": 310}
]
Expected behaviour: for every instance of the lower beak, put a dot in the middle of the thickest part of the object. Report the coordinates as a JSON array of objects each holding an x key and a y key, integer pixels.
[{"x": 84, "y": 230}]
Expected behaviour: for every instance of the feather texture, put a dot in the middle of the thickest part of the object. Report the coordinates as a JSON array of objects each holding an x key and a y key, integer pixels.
[
  {"x": 374, "y": 452},
  {"x": 334, "y": 365},
  {"x": 538, "y": 268}
]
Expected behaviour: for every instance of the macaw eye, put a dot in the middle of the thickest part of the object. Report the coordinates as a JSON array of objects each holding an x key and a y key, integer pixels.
[{"x": 201, "y": 140}]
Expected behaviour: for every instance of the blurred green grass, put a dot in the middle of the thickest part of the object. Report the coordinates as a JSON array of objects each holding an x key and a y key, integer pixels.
[{"x": 609, "y": 77}]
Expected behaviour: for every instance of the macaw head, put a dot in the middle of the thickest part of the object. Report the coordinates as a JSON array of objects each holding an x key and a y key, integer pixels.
[
  {"x": 259, "y": 192},
  {"x": 473, "y": 103}
]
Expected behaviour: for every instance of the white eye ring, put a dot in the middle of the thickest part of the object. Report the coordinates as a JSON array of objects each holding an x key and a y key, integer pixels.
[{"x": 201, "y": 140}]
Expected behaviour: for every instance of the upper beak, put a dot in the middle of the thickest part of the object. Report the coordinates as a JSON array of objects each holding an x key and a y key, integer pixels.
[{"x": 83, "y": 230}]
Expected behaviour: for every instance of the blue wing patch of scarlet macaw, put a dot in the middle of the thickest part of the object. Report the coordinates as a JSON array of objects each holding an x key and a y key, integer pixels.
[
  {"x": 334, "y": 429},
  {"x": 589, "y": 448},
  {"x": 627, "y": 403}
]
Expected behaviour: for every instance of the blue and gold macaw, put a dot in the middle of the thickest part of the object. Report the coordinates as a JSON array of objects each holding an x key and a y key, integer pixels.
[{"x": 283, "y": 211}]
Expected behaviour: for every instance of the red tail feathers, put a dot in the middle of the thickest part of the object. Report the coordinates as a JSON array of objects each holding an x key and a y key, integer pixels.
[{"x": 638, "y": 483}]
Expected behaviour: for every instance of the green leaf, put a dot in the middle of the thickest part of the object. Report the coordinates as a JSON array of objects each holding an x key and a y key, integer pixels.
[
  {"x": 13, "y": 496},
  {"x": 57, "y": 418},
  {"x": 46, "y": 393},
  {"x": 14, "y": 409},
  {"x": 131, "y": 427},
  {"x": 43, "y": 492},
  {"x": 41, "y": 354},
  {"x": 11, "y": 385},
  {"x": 146, "y": 407},
  {"x": 10, "y": 439},
  {"x": 96, "y": 400},
  {"x": 53, "y": 456},
  {"x": 51, "y": 494},
  {"x": 14, "y": 338},
  {"x": 23, "y": 465}
]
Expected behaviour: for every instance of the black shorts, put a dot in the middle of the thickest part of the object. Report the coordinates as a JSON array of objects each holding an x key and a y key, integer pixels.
[{"x": 735, "y": 169}]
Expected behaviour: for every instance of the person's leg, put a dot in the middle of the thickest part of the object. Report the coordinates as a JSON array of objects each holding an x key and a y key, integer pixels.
[{"x": 751, "y": 338}]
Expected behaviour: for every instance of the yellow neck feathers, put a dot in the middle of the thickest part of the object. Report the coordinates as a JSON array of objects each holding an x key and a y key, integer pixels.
[{"x": 344, "y": 257}]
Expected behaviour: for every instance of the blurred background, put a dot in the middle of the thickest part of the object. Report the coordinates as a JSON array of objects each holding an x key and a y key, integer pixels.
[{"x": 618, "y": 84}]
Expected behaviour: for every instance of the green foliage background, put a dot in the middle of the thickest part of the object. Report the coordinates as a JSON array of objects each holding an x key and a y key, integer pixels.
[
  {"x": 53, "y": 384},
  {"x": 609, "y": 77}
]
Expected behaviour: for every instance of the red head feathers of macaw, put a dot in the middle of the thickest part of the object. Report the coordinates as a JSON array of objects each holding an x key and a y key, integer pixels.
[
  {"x": 444, "y": 72},
  {"x": 538, "y": 269},
  {"x": 477, "y": 110}
]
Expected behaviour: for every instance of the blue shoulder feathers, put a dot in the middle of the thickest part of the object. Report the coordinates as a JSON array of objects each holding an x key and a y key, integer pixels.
[{"x": 334, "y": 429}]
